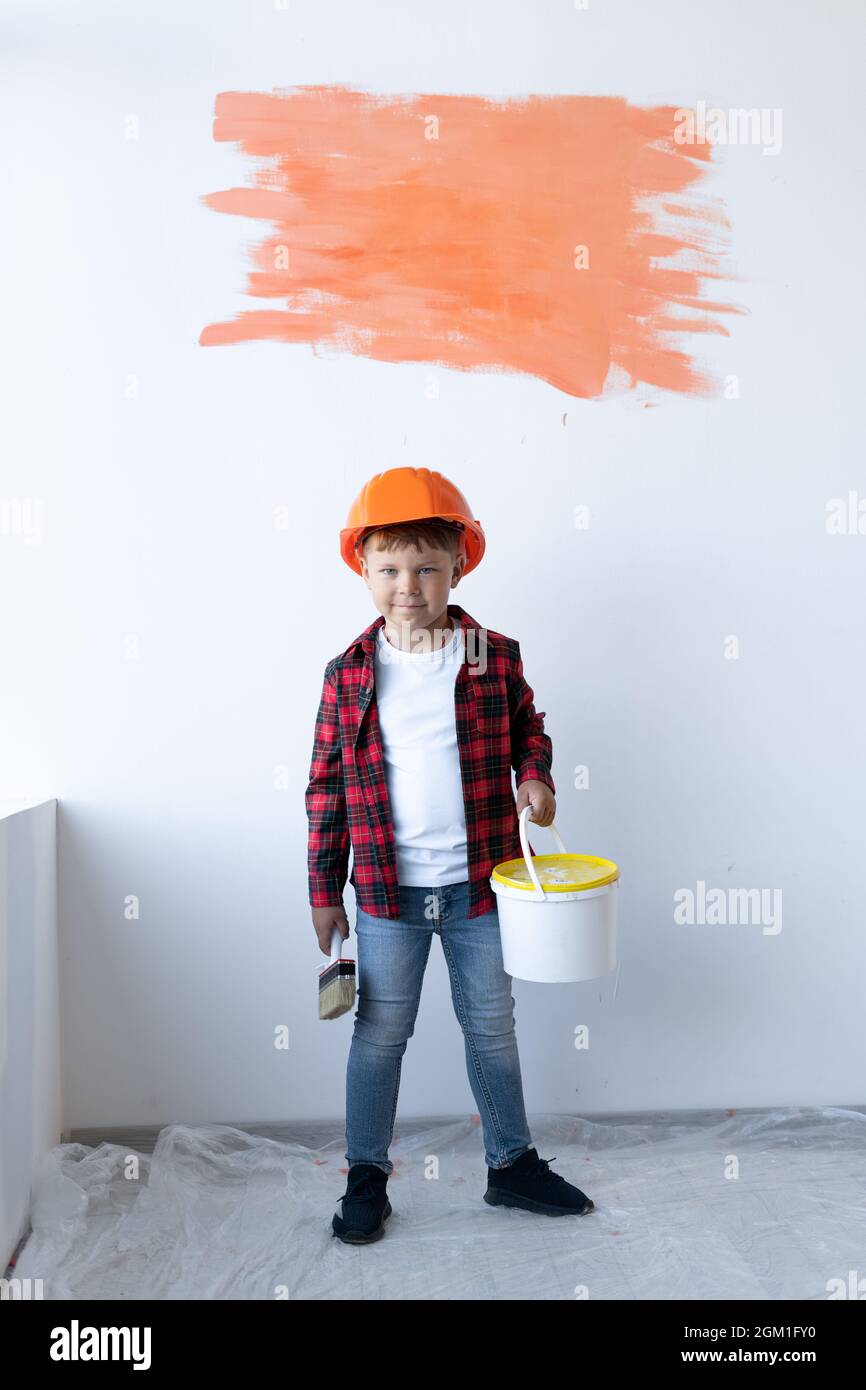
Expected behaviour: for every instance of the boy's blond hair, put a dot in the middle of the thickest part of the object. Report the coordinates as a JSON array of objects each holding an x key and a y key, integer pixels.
[{"x": 441, "y": 534}]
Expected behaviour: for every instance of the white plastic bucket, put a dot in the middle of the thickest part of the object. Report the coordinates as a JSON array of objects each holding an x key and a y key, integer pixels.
[{"x": 559, "y": 931}]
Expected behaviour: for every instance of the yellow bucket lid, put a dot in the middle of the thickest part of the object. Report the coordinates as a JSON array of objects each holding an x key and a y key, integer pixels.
[{"x": 557, "y": 873}]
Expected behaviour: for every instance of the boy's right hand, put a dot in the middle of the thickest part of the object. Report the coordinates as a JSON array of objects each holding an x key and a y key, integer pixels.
[{"x": 324, "y": 921}]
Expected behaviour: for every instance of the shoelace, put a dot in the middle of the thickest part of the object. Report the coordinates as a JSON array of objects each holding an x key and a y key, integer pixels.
[
  {"x": 542, "y": 1170},
  {"x": 364, "y": 1187}
]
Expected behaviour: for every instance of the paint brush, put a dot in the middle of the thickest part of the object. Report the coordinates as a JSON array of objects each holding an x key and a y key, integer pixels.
[{"x": 336, "y": 981}]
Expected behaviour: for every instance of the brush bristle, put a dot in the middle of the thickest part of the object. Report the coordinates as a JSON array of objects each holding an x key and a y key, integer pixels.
[{"x": 336, "y": 989}]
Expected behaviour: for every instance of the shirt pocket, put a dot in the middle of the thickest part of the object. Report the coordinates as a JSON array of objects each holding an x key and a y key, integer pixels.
[{"x": 492, "y": 716}]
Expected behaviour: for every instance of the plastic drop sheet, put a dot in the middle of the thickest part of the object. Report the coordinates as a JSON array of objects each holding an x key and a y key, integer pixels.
[{"x": 747, "y": 1205}]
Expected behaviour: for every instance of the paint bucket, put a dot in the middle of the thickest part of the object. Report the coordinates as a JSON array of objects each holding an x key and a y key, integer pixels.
[{"x": 557, "y": 913}]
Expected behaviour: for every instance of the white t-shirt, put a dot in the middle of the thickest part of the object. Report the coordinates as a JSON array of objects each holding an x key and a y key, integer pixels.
[{"x": 415, "y": 700}]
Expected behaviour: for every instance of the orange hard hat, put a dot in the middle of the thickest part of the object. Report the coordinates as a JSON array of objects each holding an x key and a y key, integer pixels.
[{"x": 409, "y": 494}]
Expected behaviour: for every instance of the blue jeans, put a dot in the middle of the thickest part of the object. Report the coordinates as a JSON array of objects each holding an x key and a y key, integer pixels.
[{"x": 391, "y": 959}]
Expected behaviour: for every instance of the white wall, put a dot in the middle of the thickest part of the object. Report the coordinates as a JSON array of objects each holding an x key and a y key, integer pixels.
[{"x": 708, "y": 519}]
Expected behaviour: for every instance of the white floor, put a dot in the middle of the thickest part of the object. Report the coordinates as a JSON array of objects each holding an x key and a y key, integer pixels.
[{"x": 218, "y": 1213}]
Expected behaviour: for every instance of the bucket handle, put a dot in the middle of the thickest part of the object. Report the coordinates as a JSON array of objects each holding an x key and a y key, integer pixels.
[{"x": 538, "y": 895}]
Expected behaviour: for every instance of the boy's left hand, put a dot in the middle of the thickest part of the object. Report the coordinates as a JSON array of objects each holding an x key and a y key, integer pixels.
[{"x": 539, "y": 796}]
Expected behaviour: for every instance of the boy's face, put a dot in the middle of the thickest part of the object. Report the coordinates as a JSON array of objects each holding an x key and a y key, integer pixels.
[{"x": 410, "y": 587}]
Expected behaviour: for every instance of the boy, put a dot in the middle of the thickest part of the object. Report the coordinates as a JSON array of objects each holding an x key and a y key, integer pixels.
[{"x": 420, "y": 722}]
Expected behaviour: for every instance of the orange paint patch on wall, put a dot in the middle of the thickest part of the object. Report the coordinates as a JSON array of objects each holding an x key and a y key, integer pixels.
[{"x": 448, "y": 229}]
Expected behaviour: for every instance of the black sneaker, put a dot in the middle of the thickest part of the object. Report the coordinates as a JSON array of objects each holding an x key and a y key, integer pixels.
[
  {"x": 365, "y": 1205},
  {"x": 529, "y": 1183}
]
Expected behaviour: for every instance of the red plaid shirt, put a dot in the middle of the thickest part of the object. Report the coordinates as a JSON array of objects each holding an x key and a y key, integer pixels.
[{"x": 347, "y": 794}]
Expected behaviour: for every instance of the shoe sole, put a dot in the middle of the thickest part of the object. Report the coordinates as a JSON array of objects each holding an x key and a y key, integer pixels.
[
  {"x": 495, "y": 1198},
  {"x": 363, "y": 1237}
]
